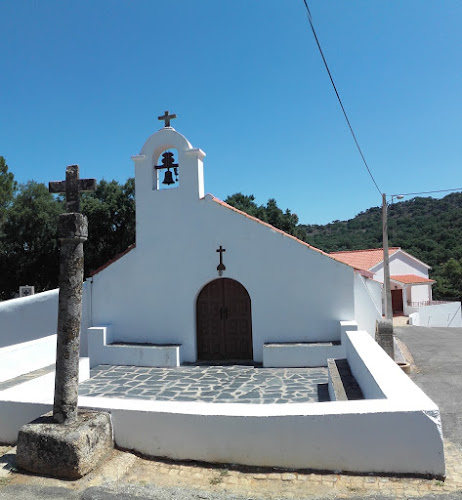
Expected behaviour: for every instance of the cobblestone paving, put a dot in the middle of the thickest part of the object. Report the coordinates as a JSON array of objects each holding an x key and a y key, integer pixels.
[
  {"x": 223, "y": 384},
  {"x": 167, "y": 479}
]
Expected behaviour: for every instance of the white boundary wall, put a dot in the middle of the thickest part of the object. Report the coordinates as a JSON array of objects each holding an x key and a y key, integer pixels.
[
  {"x": 368, "y": 303},
  {"x": 28, "y": 318},
  {"x": 439, "y": 315},
  {"x": 27, "y": 357},
  {"x": 25, "y": 402},
  {"x": 398, "y": 431},
  {"x": 36, "y": 316}
]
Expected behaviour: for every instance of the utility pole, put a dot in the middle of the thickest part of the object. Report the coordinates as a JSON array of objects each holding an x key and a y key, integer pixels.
[{"x": 386, "y": 262}]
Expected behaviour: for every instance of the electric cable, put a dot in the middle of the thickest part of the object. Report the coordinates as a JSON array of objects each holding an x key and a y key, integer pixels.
[
  {"x": 338, "y": 96},
  {"x": 427, "y": 192}
]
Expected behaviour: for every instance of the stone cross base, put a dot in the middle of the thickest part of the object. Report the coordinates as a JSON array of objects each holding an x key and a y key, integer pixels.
[{"x": 65, "y": 451}]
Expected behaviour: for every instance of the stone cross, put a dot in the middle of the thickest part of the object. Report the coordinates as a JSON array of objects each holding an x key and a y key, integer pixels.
[
  {"x": 72, "y": 186},
  {"x": 166, "y": 117},
  {"x": 72, "y": 232},
  {"x": 221, "y": 267}
]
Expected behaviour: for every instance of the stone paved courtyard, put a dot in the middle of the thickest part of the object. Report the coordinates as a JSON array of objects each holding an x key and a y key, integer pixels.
[{"x": 212, "y": 384}]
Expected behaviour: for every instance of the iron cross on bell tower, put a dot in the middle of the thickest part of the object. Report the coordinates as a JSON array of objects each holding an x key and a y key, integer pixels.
[{"x": 166, "y": 117}]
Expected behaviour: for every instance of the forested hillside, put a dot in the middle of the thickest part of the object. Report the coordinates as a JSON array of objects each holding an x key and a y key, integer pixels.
[{"x": 429, "y": 229}]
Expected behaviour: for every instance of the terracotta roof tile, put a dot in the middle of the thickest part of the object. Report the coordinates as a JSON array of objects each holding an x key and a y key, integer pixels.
[
  {"x": 411, "y": 279},
  {"x": 363, "y": 259}
]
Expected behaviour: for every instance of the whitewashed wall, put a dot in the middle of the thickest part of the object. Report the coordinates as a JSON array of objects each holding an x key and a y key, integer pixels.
[
  {"x": 28, "y": 318},
  {"x": 297, "y": 294},
  {"x": 25, "y": 357},
  {"x": 420, "y": 293},
  {"x": 36, "y": 316},
  {"x": 400, "y": 263},
  {"x": 399, "y": 420},
  {"x": 440, "y": 315},
  {"x": 368, "y": 303}
]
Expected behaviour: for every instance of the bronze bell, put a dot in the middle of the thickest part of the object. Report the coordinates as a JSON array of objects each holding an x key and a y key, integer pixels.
[{"x": 168, "y": 179}]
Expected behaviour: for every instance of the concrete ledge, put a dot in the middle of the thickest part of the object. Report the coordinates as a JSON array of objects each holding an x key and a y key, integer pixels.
[
  {"x": 300, "y": 354},
  {"x": 336, "y": 390},
  {"x": 103, "y": 351}
]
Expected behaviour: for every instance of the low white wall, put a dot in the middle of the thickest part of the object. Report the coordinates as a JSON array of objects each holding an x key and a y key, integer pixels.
[
  {"x": 15, "y": 414},
  {"x": 442, "y": 315},
  {"x": 347, "y": 326},
  {"x": 399, "y": 432},
  {"x": 36, "y": 316},
  {"x": 101, "y": 353},
  {"x": 27, "y": 357},
  {"x": 368, "y": 303},
  {"x": 28, "y": 318},
  {"x": 400, "y": 421},
  {"x": 299, "y": 355},
  {"x": 341, "y": 436},
  {"x": 25, "y": 402},
  {"x": 414, "y": 319}
]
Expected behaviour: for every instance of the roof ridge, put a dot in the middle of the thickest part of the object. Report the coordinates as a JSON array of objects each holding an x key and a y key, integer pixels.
[
  {"x": 116, "y": 257},
  {"x": 366, "y": 250},
  {"x": 256, "y": 219}
]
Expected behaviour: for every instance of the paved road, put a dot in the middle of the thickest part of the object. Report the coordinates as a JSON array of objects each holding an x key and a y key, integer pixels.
[{"x": 437, "y": 353}]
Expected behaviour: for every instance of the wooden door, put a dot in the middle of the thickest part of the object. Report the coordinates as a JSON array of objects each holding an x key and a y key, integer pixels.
[
  {"x": 397, "y": 300},
  {"x": 224, "y": 322}
]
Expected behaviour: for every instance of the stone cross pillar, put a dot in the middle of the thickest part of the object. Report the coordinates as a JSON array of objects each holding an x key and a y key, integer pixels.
[
  {"x": 68, "y": 443},
  {"x": 72, "y": 232}
]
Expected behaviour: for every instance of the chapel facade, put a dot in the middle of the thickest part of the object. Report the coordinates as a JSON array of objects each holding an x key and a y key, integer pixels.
[{"x": 213, "y": 280}]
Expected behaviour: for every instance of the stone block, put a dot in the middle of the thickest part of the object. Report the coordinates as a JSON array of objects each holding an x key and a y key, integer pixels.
[
  {"x": 384, "y": 336},
  {"x": 65, "y": 451}
]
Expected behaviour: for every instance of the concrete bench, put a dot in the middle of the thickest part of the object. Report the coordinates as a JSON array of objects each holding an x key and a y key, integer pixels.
[
  {"x": 103, "y": 350},
  {"x": 300, "y": 354},
  {"x": 341, "y": 383}
]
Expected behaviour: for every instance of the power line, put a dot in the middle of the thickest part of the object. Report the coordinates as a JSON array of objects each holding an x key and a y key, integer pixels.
[
  {"x": 338, "y": 96},
  {"x": 428, "y": 192}
]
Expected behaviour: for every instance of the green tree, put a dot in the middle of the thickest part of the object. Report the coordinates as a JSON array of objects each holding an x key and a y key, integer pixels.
[
  {"x": 449, "y": 280},
  {"x": 271, "y": 213},
  {"x": 111, "y": 221},
  {"x": 246, "y": 203},
  {"x": 7, "y": 189},
  {"x": 29, "y": 251}
]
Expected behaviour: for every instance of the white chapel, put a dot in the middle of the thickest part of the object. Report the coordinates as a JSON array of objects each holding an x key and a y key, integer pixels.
[{"x": 211, "y": 282}]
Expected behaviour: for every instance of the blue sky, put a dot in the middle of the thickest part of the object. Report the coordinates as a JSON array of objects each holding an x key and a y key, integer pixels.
[{"x": 83, "y": 82}]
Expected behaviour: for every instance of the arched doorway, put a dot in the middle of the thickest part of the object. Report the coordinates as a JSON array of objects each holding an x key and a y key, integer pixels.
[{"x": 224, "y": 321}]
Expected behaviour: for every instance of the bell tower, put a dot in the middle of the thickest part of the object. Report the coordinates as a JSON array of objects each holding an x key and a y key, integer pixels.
[{"x": 157, "y": 167}]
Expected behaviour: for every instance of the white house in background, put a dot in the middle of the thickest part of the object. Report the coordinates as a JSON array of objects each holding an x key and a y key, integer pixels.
[{"x": 410, "y": 284}]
